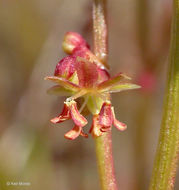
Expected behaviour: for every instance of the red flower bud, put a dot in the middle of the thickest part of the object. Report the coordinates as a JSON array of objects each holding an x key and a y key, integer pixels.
[
  {"x": 66, "y": 67},
  {"x": 73, "y": 40}
]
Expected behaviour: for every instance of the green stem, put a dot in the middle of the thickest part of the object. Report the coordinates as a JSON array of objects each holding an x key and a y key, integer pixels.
[
  {"x": 105, "y": 162},
  {"x": 167, "y": 156},
  {"x": 104, "y": 142}
]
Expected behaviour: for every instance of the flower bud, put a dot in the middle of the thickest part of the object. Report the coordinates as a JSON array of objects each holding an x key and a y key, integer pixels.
[
  {"x": 66, "y": 67},
  {"x": 73, "y": 40}
]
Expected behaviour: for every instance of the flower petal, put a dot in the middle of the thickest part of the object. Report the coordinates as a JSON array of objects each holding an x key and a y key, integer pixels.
[
  {"x": 75, "y": 114},
  {"x": 65, "y": 115},
  {"x": 122, "y": 87},
  {"x": 105, "y": 129},
  {"x": 74, "y": 133},
  {"x": 119, "y": 125},
  {"x": 87, "y": 72},
  {"x": 83, "y": 134},
  {"x": 63, "y": 82},
  {"x": 105, "y": 115},
  {"x": 66, "y": 67},
  {"x": 112, "y": 81},
  {"x": 95, "y": 128}
]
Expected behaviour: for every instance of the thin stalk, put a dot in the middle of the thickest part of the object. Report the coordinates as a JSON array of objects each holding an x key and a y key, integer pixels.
[
  {"x": 105, "y": 162},
  {"x": 104, "y": 142},
  {"x": 100, "y": 30},
  {"x": 167, "y": 156}
]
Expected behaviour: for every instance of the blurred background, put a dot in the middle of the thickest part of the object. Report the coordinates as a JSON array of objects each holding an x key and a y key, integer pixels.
[{"x": 34, "y": 151}]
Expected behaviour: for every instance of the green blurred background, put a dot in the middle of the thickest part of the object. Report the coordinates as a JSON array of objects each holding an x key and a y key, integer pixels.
[{"x": 32, "y": 149}]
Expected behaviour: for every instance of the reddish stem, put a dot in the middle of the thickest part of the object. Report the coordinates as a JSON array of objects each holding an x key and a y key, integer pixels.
[
  {"x": 105, "y": 162},
  {"x": 104, "y": 142}
]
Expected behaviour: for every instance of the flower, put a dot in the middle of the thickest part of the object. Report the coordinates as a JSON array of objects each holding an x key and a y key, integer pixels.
[{"x": 82, "y": 74}]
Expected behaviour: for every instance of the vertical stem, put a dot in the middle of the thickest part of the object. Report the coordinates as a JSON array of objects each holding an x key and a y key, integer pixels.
[
  {"x": 104, "y": 142},
  {"x": 100, "y": 30},
  {"x": 105, "y": 162},
  {"x": 166, "y": 161}
]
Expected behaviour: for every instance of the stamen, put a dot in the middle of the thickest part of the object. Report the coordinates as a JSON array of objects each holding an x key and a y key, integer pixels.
[
  {"x": 77, "y": 95},
  {"x": 84, "y": 104}
]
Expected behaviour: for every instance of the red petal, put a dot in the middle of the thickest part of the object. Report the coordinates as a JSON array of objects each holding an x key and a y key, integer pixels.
[
  {"x": 76, "y": 116},
  {"x": 87, "y": 72},
  {"x": 83, "y": 134},
  {"x": 66, "y": 67},
  {"x": 103, "y": 75},
  {"x": 65, "y": 115},
  {"x": 105, "y": 129},
  {"x": 105, "y": 115},
  {"x": 83, "y": 51},
  {"x": 74, "y": 133},
  {"x": 96, "y": 127},
  {"x": 119, "y": 125}
]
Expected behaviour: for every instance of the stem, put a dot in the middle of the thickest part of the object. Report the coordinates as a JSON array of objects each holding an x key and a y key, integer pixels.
[
  {"x": 105, "y": 162},
  {"x": 165, "y": 165},
  {"x": 104, "y": 142},
  {"x": 100, "y": 30}
]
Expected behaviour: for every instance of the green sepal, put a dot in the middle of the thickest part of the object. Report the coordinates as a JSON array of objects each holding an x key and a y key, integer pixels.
[
  {"x": 60, "y": 91},
  {"x": 63, "y": 82},
  {"x": 122, "y": 87}
]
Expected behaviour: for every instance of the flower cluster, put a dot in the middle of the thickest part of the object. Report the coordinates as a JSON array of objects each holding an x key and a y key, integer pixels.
[{"x": 82, "y": 74}]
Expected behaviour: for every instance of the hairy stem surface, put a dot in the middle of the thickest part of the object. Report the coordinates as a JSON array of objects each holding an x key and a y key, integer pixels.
[{"x": 104, "y": 142}]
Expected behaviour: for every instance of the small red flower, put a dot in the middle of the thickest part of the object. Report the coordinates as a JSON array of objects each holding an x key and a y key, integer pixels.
[
  {"x": 82, "y": 74},
  {"x": 104, "y": 120}
]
